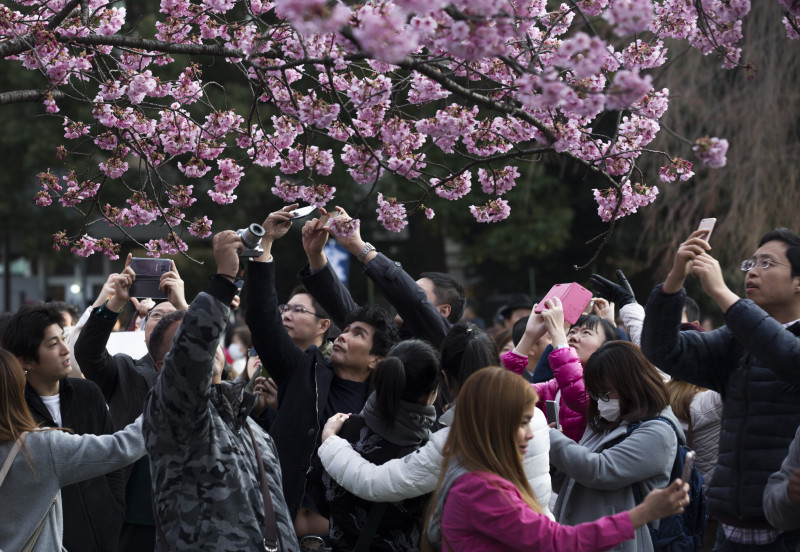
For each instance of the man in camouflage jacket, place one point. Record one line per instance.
(205, 473)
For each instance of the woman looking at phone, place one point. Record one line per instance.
(571, 350)
(484, 502)
(597, 476)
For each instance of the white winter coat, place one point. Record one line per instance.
(418, 473)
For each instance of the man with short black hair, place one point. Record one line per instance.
(93, 509)
(752, 361)
(305, 320)
(311, 388)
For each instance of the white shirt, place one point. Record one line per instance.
(53, 404)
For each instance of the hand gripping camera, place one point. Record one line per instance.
(251, 238)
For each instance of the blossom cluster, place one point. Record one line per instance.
(430, 92)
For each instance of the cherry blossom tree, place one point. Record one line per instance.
(435, 95)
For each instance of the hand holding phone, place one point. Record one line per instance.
(148, 277)
(302, 212)
(574, 298)
(707, 224)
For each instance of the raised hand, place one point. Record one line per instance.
(121, 284)
(278, 223)
(687, 251)
(227, 245)
(172, 284)
(619, 293)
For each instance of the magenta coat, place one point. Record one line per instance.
(568, 378)
(485, 512)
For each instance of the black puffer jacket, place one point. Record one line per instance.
(754, 363)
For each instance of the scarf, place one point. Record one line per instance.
(411, 426)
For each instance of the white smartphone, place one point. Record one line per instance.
(302, 212)
(688, 464)
(552, 413)
(707, 224)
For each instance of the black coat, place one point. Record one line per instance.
(94, 509)
(125, 382)
(303, 379)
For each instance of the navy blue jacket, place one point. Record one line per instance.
(754, 363)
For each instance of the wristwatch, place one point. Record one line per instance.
(364, 252)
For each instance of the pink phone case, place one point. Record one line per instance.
(574, 298)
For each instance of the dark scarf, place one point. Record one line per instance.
(232, 402)
(411, 426)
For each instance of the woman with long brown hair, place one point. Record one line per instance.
(483, 500)
(36, 463)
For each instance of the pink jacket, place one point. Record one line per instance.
(568, 378)
(486, 512)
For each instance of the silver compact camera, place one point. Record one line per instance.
(251, 238)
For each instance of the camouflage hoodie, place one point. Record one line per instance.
(205, 474)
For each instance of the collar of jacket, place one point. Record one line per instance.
(36, 404)
(232, 402)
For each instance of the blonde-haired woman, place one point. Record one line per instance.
(36, 463)
(484, 502)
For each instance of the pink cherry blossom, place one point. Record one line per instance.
(391, 214)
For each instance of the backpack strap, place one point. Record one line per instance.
(11, 455)
(370, 527)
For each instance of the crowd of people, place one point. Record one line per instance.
(322, 424)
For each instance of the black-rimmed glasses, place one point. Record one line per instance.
(604, 396)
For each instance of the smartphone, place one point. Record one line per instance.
(326, 219)
(148, 277)
(302, 212)
(688, 464)
(552, 413)
(707, 224)
(239, 285)
(574, 298)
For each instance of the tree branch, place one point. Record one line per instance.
(25, 42)
(21, 96)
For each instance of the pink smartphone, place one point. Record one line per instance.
(707, 224)
(574, 298)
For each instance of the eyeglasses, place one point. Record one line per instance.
(297, 309)
(604, 396)
(750, 264)
(251, 352)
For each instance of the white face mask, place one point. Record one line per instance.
(236, 350)
(609, 410)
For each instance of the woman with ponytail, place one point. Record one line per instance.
(395, 421)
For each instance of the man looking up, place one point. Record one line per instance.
(305, 320)
(93, 509)
(752, 361)
(316, 388)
